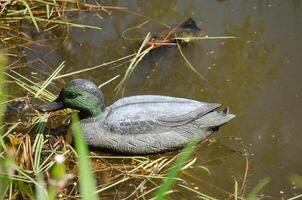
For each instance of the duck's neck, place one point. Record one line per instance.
(90, 113)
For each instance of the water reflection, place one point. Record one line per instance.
(244, 65)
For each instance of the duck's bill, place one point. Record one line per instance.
(50, 107)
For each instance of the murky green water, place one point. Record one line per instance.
(258, 75)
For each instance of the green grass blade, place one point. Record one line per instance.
(236, 191)
(2, 88)
(47, 11)
(174, 172)
(51, 77)
(75, 25)
(109, 81)
(41, 192)
(188, 39)
(4, 182)
(87, 180)
(39, 142)
(134, 62)
(253, 194)
(31, 86)
(31, 15)
(96, 67)
(2, 136)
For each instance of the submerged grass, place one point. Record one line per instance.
(253, 194)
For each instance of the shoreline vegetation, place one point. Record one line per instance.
(34, 164)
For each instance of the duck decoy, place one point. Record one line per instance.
(144, 124)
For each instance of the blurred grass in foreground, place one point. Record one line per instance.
(3, 61)
(3, 181)
(170, 179)
(87, 180)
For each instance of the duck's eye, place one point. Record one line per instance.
(73, 95)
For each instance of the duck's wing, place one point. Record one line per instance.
(153, 113)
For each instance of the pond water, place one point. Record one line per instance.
(257, 74)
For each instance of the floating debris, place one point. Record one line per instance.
(185, 29)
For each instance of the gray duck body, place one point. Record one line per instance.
(144, 124)
(151, 124)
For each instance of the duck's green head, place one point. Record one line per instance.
(81, 95)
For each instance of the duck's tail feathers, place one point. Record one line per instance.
(215, 119)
